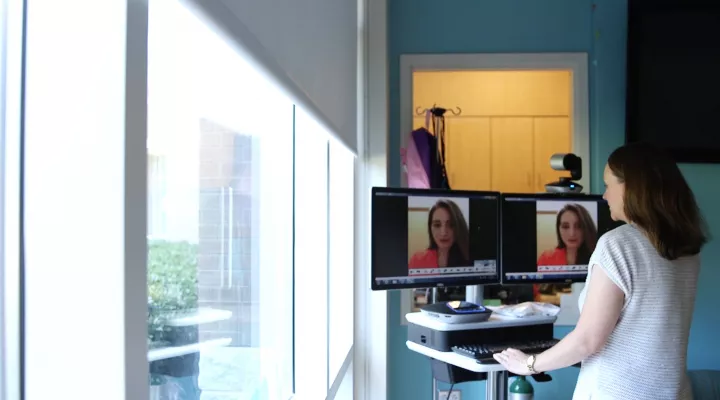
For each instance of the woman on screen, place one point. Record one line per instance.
(448, 239)
(576, 238)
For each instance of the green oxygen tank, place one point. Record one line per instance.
(521, 389)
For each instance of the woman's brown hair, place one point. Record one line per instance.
(658, 199)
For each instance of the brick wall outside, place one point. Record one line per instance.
(226, 167)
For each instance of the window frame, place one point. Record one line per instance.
(345, 162)
(275, 286)
(107, 113)
(311, 222)
(12, 24)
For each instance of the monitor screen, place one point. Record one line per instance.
(673, 59)
(548, 238)
(434, 238)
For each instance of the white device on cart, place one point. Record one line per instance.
(457, 312)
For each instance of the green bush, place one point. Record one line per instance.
(172, 282)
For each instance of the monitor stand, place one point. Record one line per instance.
(473, 294)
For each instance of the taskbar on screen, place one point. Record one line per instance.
(432, 280)
(539, 276)
(482, 267)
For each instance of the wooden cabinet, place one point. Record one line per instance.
(512, 122)
(512, 154)
(468, 153)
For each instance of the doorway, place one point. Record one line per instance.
(507, 114)
(511, 113)
(502, 127)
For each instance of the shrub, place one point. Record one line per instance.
(172, 283)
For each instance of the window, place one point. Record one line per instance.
(247, 288)
(220, 212)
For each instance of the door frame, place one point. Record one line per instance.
(577, 63)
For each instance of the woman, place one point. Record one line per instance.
(448, 239)
(638, 302)
(576, 238)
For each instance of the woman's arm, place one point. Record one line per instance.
(601, 310)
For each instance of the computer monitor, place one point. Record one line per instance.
(434, 238)
(548, 238)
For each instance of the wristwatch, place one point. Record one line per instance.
(531, 364)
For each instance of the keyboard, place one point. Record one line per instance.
(483, 353)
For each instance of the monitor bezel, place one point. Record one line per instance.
(432, 192)
(540, 196)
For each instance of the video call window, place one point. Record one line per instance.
(566, 234)
(550, 238)
(426, 238)
(438, 235)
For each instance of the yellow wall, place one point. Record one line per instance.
(511, 123)
(496, 93)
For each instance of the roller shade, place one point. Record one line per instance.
(309, 46)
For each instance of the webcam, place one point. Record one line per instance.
(566, 162)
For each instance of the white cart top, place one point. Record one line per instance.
(495, 321)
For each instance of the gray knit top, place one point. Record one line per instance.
(645, 355)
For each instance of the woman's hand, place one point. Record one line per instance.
(514, 361)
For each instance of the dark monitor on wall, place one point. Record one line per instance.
(673, 59)
(548, 238)
(434, 238)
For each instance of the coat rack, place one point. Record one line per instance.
(437, 115)
(437, 111)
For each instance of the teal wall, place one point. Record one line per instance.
(522, 26)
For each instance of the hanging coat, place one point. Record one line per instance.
(416, 173)
(422, 165)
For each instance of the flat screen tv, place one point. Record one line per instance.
(673, 77)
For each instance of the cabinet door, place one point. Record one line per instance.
(551, 135)
(468, 153)
(512, 154)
